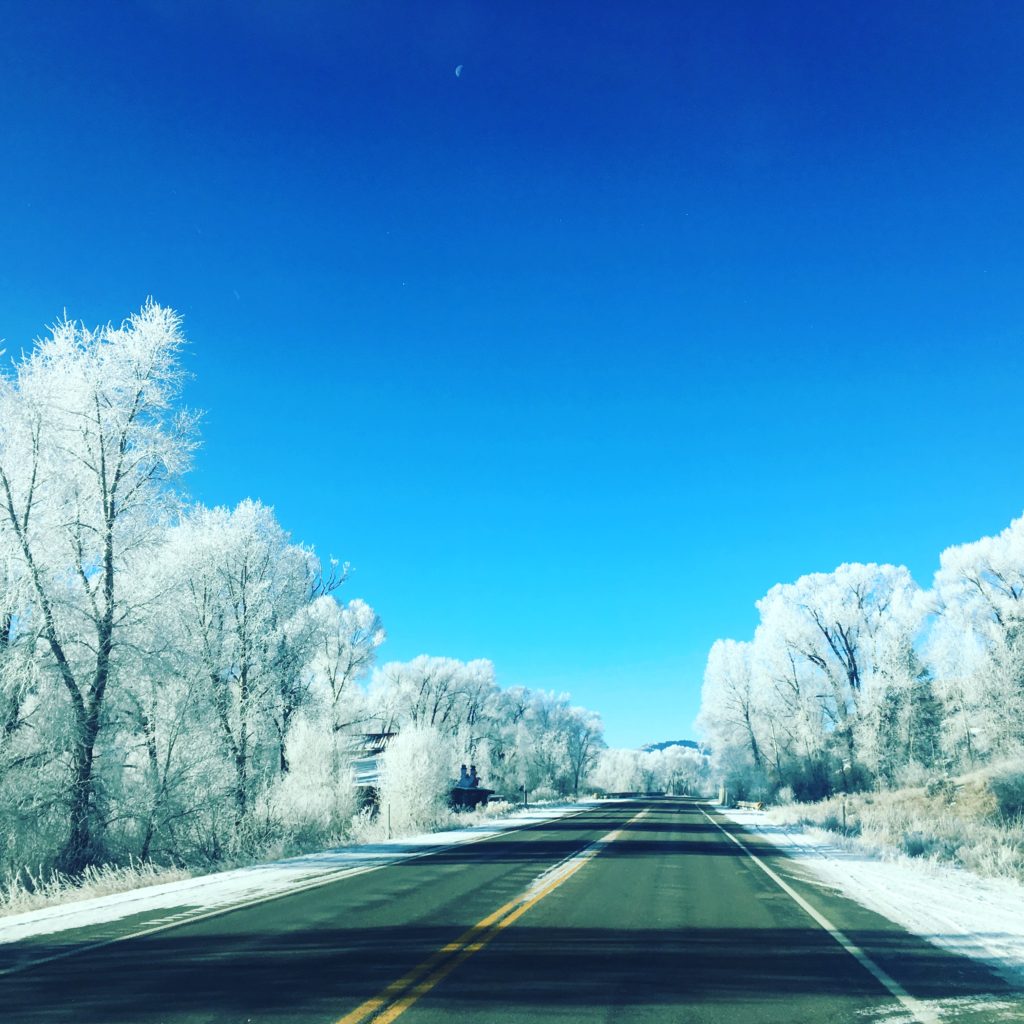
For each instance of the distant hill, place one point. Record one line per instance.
(692, 744)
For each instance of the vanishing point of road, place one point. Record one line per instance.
(654, 910)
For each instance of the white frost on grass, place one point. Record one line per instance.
(193, 897)
(950, 907)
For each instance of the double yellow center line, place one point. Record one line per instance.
(394, 1000)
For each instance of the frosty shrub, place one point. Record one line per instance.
(544, 794)
(416, 777)
(1007, 784)
(315, 802)
(918, 844)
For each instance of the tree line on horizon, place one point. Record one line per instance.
(859, 678)
(182, 684)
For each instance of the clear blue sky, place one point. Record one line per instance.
(573, 355)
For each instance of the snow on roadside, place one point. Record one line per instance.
(192, 897)
(950, 907)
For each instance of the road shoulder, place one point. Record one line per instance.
(106, 919)
(976, 920)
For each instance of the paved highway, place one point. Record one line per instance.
(647, 911)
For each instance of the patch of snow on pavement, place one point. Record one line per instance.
(994, 1008)
(950, 907)
(193, 897)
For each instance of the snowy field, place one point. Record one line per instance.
(976, 917)
(189, 899)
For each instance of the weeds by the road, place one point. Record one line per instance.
(367, 828)
(27, 890)
(975, 821)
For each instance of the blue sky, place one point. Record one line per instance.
(573, 355)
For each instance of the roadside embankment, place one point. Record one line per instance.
(191, 898)
(975, 821)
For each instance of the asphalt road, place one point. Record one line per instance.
(631, 912)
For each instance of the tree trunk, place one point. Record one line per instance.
(79, 850)
(242, 751)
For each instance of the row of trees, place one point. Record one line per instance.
(677, 770)
(860, 678)
(522, 742)
(183, 684)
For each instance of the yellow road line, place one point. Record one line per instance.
(393, 1001)
(397, 987)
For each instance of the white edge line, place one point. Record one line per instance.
(915, 1007)
(269, 898)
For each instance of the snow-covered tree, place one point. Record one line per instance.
(977, 642)
(831, 693)
(90, 439)
(842, 637)
(416, 777)
(683, 770)
(317, 799)
(731, 711)
(618, 771)
(243, 589)
(182, 683)
(444, 693)
(676, 770)
(584, 740)
(345, 639)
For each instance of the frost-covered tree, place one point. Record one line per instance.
(443, 693)
(977, 643)
(181, 683)
(316, 801)
(730, 708)
(345, 639)
(518, 739)
(418, 770)
(242, 595)
(584, 740)
(846, 632)
(90, 439)
(561, 742)
(683, 770)
(676, 770)
(618, 771)
(830, 694)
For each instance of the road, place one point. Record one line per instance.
(647, 911)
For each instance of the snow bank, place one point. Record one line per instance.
(948, 906)
(191, 898)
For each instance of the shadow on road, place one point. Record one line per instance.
(299, 959)
(325, 972)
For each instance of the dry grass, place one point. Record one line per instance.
(27, 891)
(371, 827)
(975, 821)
